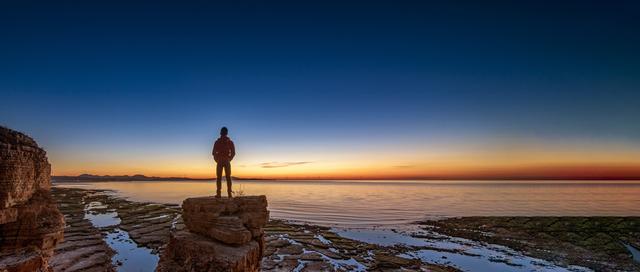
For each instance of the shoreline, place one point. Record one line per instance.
(143, 227)
(586, 241)
(147, 225)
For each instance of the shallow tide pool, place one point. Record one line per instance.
(129, 256)
(464, 254)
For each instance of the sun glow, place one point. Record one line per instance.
(496, 161)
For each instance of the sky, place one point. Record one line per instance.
(324, 89)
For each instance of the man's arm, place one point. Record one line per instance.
(233, 150)
(215, 147)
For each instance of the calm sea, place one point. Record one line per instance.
(366, 203)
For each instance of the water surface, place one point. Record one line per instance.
(366, 203)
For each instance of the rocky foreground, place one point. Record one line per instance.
(287, 247)
(30, 223)
(221, 234)
(84, 247)
(568, 242)
(598, 243)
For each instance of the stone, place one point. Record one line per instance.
(226, 229)
(8, 215)
(30, 223)
(229, 220)
(221, 234)
(40, 224)
(25, 261)
(317, 266)
(391, 261)
(292, 249)
(277, 243)
(24, 168)
(188, 251)
(311, 256)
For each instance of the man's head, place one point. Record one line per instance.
(224, 131)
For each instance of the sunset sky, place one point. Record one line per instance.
(322, 89)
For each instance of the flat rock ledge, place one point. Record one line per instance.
(222, 234)
(30, 223)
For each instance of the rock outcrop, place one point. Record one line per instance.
(223, 234)
(24, 168)
(30, 223)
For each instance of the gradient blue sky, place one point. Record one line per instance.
(143, 86)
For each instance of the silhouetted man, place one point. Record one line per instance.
(223, 152)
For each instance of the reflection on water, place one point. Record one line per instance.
(98, 217)
(634, 252)
(130, 257)
(100, 220)
(364, 203)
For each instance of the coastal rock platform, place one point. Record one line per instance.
(233, 221)
(187, 251)
(222, 234)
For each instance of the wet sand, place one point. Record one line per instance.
(106, 232)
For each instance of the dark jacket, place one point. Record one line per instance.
(223, 150)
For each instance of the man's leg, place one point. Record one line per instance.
(227, 171)
(218, 178)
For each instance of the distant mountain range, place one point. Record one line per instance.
(90, 177)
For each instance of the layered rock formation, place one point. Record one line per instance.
(30, 223)
(224, 234)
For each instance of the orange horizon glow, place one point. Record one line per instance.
(501, 160)
(569, 171)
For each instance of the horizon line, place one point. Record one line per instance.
(484, 178)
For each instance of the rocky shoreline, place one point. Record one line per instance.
(92, 214)
(598, 243)
(454, 244)
(95, 216)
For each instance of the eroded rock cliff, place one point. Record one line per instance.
(223, 234)
(30, 223)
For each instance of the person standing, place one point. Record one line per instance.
(223, 152)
